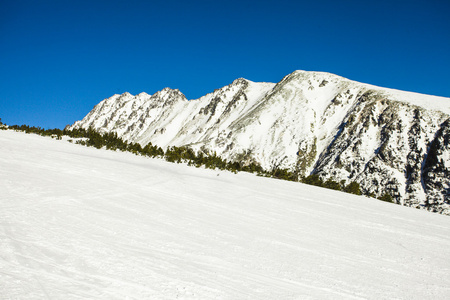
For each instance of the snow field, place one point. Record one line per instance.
(82, 223)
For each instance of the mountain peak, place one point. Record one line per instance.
(143, 94)
(170, 94)
(310, 122)
(240, 81)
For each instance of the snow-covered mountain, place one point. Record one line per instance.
(83, 223)
(310, 122)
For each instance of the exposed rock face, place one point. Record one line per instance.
(389, 141)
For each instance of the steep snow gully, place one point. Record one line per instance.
(83, 223)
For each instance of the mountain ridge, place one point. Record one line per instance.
(309, 122)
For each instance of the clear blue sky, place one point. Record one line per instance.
(60, 58)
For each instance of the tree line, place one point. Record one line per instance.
(203, 158)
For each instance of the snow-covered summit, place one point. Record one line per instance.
(387, 140)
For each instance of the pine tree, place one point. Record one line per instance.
(353, 188)
(386, 197)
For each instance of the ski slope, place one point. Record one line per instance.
(82, 223)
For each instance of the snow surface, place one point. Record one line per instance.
(82, 223)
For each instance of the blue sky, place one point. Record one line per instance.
(60, 58)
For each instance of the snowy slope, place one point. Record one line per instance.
(309, 122)
(82, 223)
